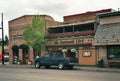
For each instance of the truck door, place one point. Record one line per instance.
(46, 60)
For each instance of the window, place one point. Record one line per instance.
(46, 55)
(58, 54)
(113, 52)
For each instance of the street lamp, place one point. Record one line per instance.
(2, 39)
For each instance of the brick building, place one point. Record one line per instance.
(75, 35)
(17, 47)
(77, 32)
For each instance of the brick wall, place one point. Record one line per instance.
(50, 23)
(16, 29)
(87, 60)
(79, 18)
(84, 16)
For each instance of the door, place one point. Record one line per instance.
(25, 56)
(46, 60)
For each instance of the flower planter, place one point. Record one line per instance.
(19, 63)
(29, 62)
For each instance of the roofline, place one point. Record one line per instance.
(108, 14)
(71, 24)
(25, 16)
(90, 12)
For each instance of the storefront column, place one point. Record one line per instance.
(103, 54)
(31, 54)
(20, 55)
(11, 56)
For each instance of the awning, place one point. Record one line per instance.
(73, 24)
(23, 46)
(15, 47)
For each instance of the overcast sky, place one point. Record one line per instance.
(55, 8)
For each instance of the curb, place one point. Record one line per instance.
(98, 69)
(87, 68)
(15, 66)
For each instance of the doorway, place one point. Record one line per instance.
(25, 56)
(15, 56)
(25, 53)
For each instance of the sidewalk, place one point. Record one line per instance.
(88, 68)
(7, 65)
(84, 68)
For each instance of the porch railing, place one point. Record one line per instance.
(77, 33)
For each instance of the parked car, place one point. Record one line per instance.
(55, 59)
(6, 58)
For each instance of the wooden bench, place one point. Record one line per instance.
(114, 64)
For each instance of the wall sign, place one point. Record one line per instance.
(86, 53)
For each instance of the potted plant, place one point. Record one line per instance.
(64, 52)
(19, 61)
(29, 62)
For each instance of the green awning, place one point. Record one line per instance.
(15, 47)
(23, 46)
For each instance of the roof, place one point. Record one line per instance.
(72, 24)
(108, 34)
(90, 12)
(108, 14)
(30, 15)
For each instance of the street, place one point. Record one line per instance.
(53, 74)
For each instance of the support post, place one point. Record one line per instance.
(2, 39)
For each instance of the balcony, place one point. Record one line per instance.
(77, 33)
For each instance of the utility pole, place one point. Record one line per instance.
(2, 39)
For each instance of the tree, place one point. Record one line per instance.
(0, 41)
(6, 41)
(34, 33)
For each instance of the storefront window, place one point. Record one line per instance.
(113, 52)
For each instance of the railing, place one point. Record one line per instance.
(77, 33)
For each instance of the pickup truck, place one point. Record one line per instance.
(55, 59)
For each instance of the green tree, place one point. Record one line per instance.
(6, 41)
(34, 33)
(0, 41)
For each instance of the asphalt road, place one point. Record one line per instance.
(53, 74)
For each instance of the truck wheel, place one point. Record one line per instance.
(37, 65)
(61, 66)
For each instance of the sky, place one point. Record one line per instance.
(12, 9)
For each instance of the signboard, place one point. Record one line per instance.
(87, 54)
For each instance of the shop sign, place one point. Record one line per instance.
(86, 54)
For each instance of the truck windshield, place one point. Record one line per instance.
(46, 55)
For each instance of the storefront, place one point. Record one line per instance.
(107, 38)
(20, 56)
